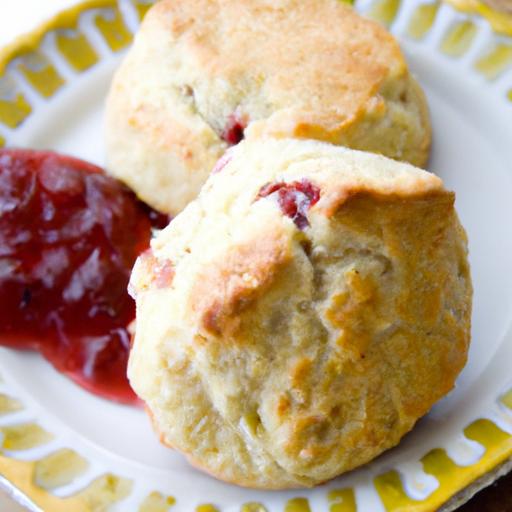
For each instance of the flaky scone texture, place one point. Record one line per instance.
(298, 317)
(200, 71)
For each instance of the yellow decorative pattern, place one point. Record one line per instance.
(113, 29)
(297, 505)
(40, 73)
(58, 469)
(422, 19)
(104, 492)
(66, 19)
(24, 437)
(76, 49)
(384, 11)
(451, 478)
(253, 507)
(495, 62)
(489, 435)
(142, 7)
(157, 502)
(98, 497)
(506, 399)
(342, 500)
(14, 112)
(391, 492)
(21, 473)
(8, 404)
(458, 39)
(207, 508)
(500, 21)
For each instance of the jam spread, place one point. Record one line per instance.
(294, 199)
(69, 236)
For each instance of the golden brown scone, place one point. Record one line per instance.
(202, 70)
(301, 314)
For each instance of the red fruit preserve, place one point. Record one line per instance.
(69, 236)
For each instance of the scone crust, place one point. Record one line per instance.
(276, 356)
(287, 68)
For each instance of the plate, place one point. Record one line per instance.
(66, 450)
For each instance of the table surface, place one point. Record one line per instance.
(22, 15)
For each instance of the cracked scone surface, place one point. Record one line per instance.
(301, 314)
(200, 72)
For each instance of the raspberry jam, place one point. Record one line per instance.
(294, 199)
(69, 236)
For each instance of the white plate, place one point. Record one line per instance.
(472, 152)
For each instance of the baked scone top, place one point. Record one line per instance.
(312, 64)
(297, 318)
(201, 71)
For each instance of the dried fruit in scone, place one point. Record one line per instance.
(204, 74)
(298, 317)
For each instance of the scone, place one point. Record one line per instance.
(298, 317)
(204, 73)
